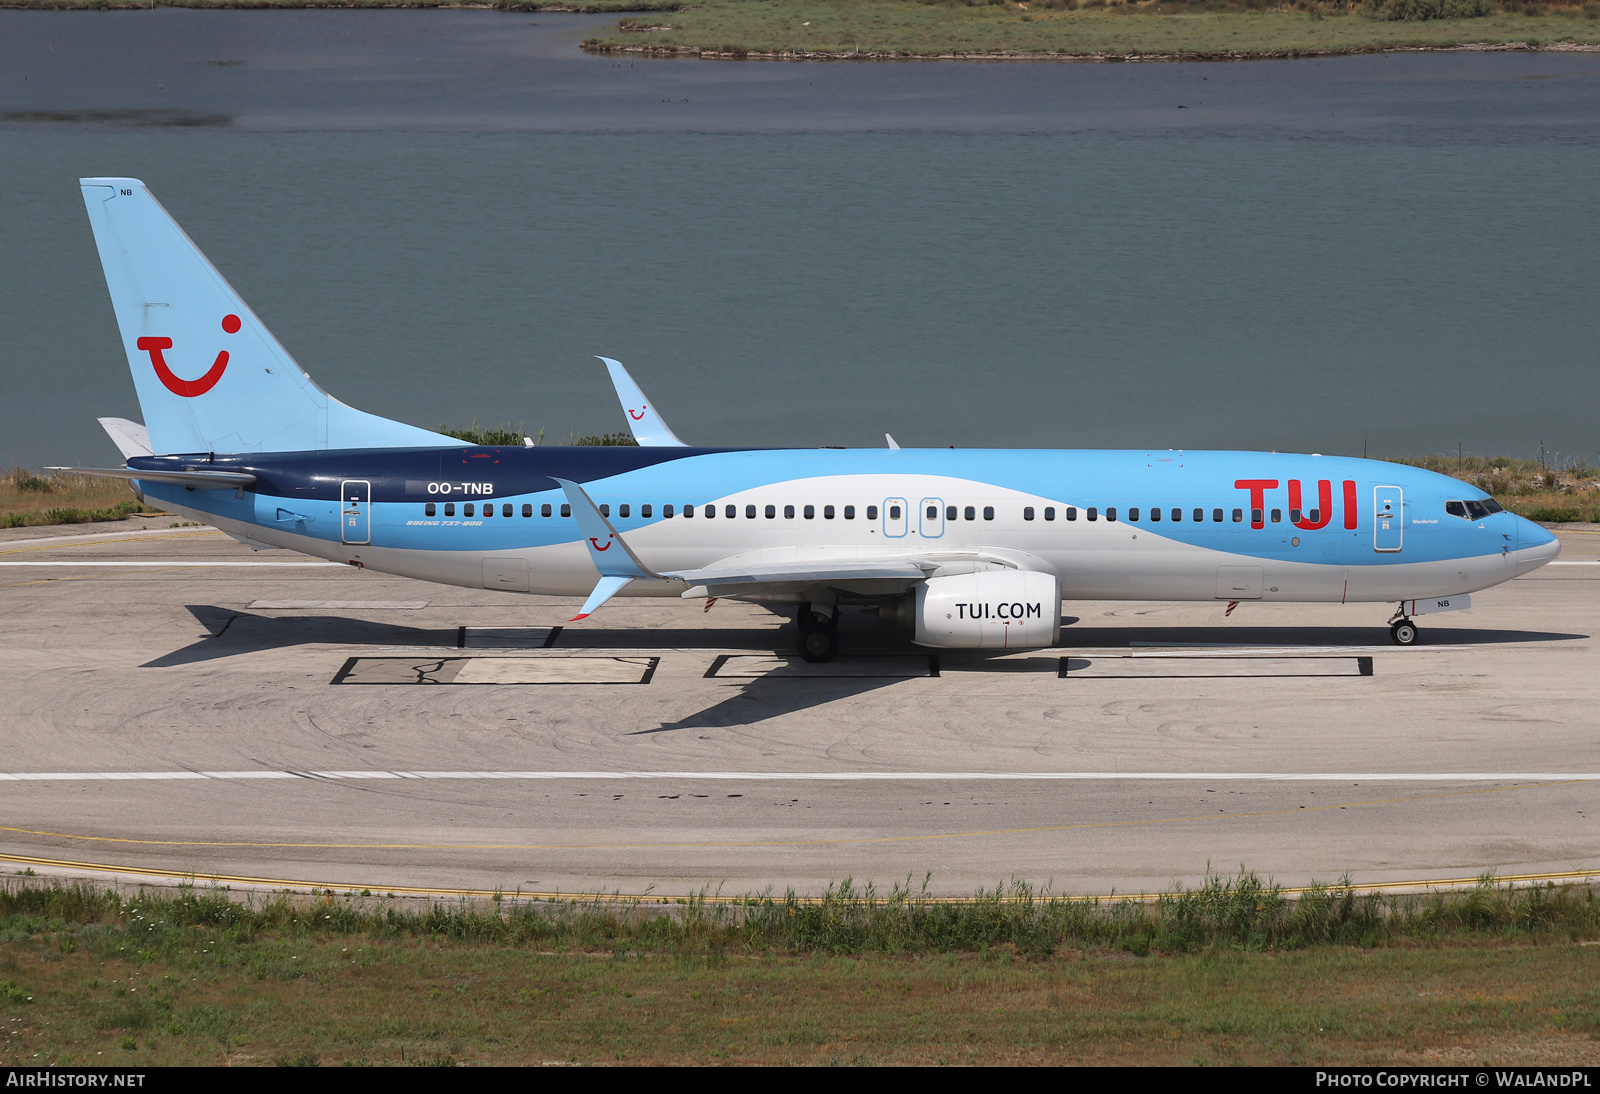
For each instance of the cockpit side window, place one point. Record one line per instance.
(1456, 509)
(1493, 506)
(1476, 510)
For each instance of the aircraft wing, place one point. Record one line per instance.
(644, 421)
(825, 571)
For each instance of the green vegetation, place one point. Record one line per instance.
(1035, 28)
(507, 434)
(1232, 972)
(1553, 491)
(31, 498)
(1094, 28)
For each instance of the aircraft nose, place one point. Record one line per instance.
(1535, 546)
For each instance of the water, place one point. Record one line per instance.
(445, 214)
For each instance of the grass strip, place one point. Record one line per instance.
(1230, 972)
(30, 498)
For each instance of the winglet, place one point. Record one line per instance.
(602, 538)
(893, 444)
(606, 588)
(644, 421)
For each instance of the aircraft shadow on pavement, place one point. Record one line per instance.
(233, 632)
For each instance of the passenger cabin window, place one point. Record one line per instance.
(1216, 516)
(544, 510)
(666, 510)
(732, 511)
(749, 512)
(950, 512)
(622, 510)
(1049, 512)
(1027, 512)
(1155, 513)
(1071, 512)
(971, 513)
(449, 508)
(988, 512)
(1111, 512)
(788, 512)
(1177, 514)
(772, 512)
(488, 508)
(810, 512)
(688, 511)
(1315, 516)
(566, 509)
(1238, 515)
(1277, 516)
(894, 512)
(711, 512)
(1294, 516)
(466, 510)
(527, 509)
(1200, 515)
(1093, 513)
(827, 512)
(933, 512)
(1133, 513)
(872, 512)
(429, 510)
(605, 509)
(1255, 516)
(849, 512)
(645, 511)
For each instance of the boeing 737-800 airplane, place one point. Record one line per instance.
(972, 549)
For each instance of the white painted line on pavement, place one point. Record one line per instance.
(828, 776)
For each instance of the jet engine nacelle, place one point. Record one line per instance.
(993, 609)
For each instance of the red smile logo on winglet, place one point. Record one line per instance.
(597, 546)
(188, 389)
(639, 417)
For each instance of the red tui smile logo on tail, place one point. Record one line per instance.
(188, 388)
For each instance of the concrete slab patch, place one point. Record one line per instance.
(497, 670)
(1152, 668)
(742, 666)
(506, 638)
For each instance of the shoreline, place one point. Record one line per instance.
(604, 47)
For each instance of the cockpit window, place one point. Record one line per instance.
(1456, 509)
(1493, 506)
(1476, 510)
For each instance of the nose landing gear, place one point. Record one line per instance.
(1402, 632)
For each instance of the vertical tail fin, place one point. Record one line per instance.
(209, 375)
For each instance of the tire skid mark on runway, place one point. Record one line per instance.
(617, 897)
(840, 841)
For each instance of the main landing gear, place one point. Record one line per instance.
(819, 634)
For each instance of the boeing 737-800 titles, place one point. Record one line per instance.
(971, 549)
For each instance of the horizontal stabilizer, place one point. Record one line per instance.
(200, 480)
(644, 421)
(131, 438)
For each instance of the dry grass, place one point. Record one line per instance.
(1553, 491)
(51, 497)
